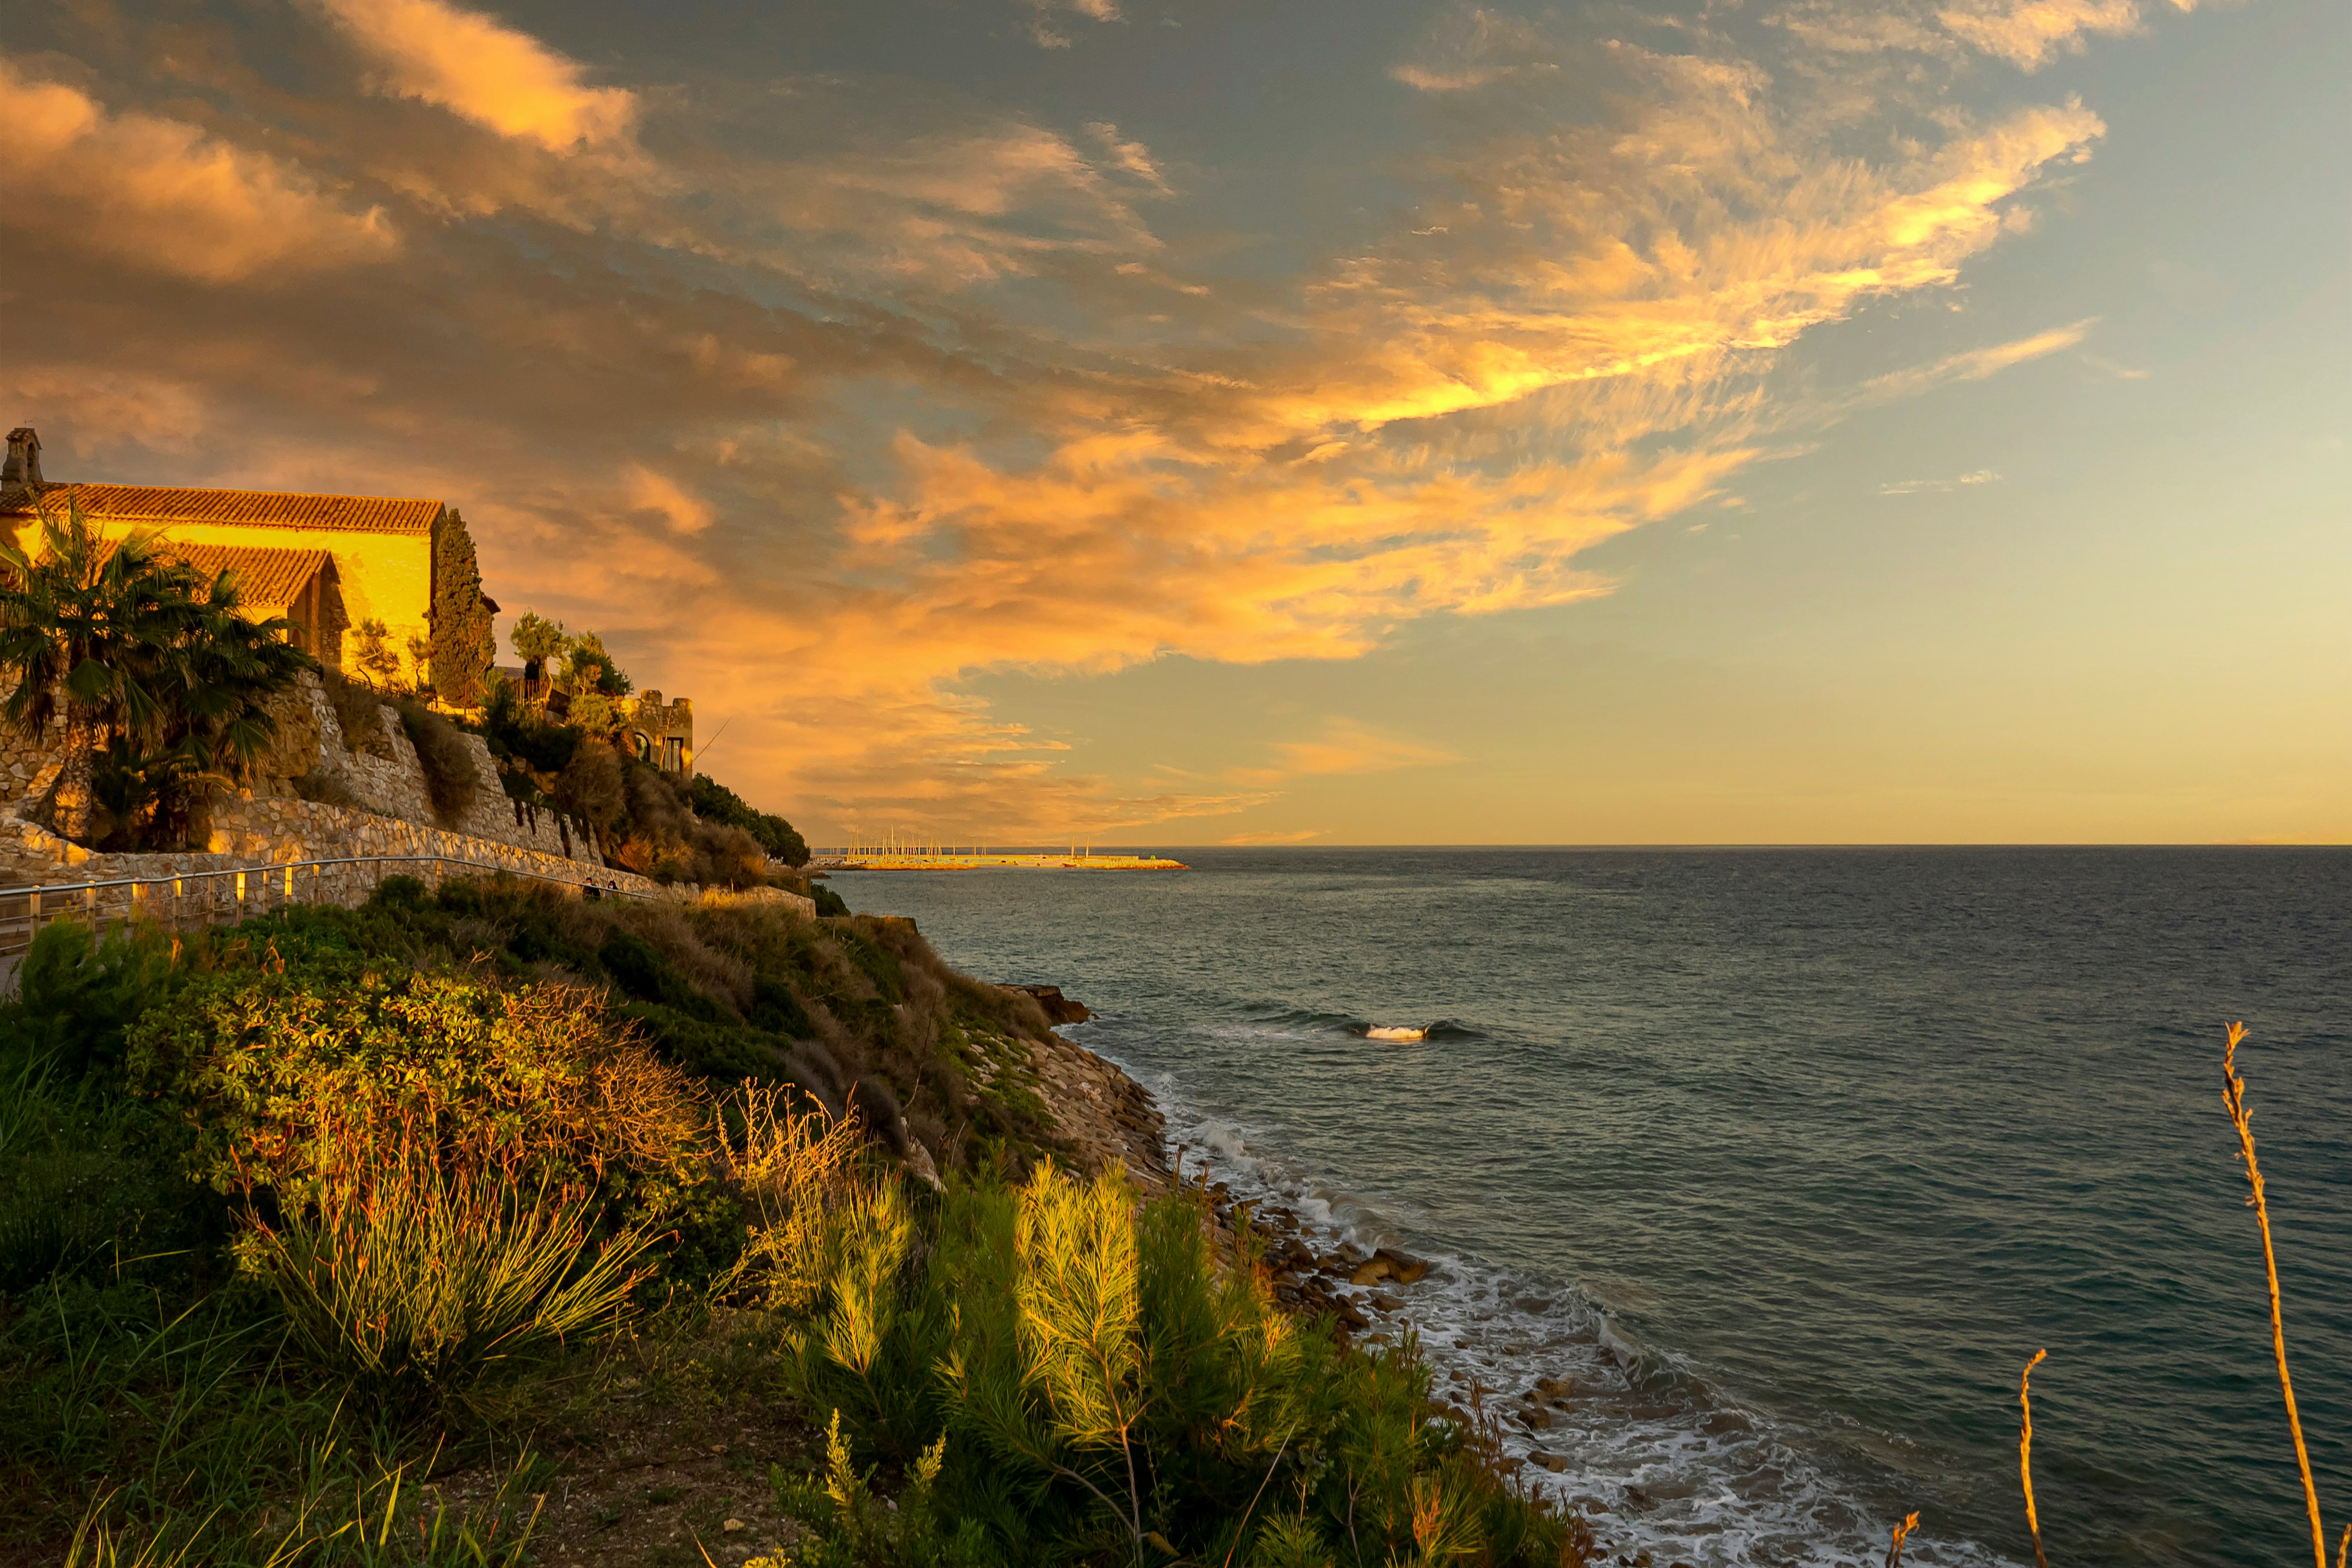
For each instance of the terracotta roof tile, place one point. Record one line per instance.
(166, 504)
(268, 580)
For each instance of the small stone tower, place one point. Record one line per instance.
(24, 464)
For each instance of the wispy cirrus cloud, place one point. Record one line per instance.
(1940, 487)
(2029, 34)
(1975, 364)
(1339, 747)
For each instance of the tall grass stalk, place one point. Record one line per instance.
(2025, 1453)
(1078, 1294)
(2233, 1098)
(1902, 1533)
(793, 1169)
(422, 1272)
(349, 1519)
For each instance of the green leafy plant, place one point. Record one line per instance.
(714, 801)
(300, 1075)
(76, 995)
(856, 1527)
(536, 640)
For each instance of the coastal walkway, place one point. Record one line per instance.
(189, 899)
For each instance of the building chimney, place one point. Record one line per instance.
(24, 465)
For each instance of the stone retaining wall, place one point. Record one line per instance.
(382, 774)
(263, 830)
(262, 837)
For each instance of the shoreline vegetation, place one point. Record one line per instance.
(480, 1226)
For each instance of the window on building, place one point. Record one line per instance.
(673, 754)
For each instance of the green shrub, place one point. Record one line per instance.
(714, 801)
(294, 1076)
(848, 1009)
(359, 708)
(446, 760)
(1086, 1382)
(76, 994)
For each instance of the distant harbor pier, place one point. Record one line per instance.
(939, 858)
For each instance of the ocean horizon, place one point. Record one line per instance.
(1785, 1159)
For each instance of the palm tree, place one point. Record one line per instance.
(96, 627)
(165, 684)
(215, 693)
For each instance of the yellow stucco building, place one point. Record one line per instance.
(331, 563)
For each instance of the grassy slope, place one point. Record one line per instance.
(133, 1360)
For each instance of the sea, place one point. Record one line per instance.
(1786, 1159)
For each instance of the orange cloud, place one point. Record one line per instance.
(1048, 36)
(996, 423)
(684, 511)
(483, 70)
(2029, 34)
(99, 408)
(164, 195)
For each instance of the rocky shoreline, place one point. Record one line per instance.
(1104, 1115)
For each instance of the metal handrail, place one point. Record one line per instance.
(83, 898)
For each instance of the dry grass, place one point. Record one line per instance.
(415, 1272)
(1902, 1533)
(2234, 1099)
(793, 1168)
(2025, 1453)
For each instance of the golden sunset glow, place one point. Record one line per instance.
(908, 403)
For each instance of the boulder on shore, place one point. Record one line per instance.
(1059, 1009)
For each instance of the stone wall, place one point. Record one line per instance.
(263, 837)
(25, 763)
(381, 774)
(269, 826)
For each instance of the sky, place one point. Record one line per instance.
(1199, 422)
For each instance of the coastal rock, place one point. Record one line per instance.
(1101, 1114)
(1058, 1008)
(1384, 1264)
